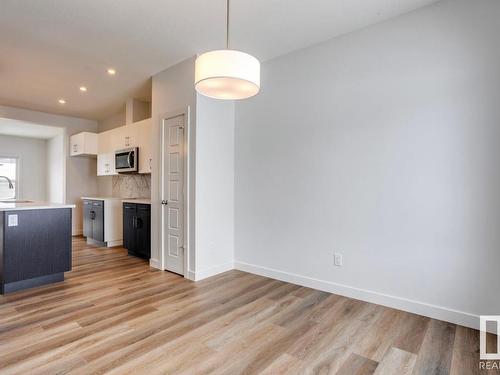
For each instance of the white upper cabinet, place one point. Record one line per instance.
(83, 144)
(106, 164)
(145, 138)
(104, 142)
(125, 137)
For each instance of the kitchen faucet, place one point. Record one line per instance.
(11, 185)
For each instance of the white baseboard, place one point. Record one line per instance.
(415, 307)
(114, 243)
(212, 271)
(191, 275)
(77, 232)
(155, 264)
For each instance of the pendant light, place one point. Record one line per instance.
(227, 74)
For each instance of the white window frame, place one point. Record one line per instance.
(17, 189)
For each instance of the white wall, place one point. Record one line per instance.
(172, 91)
(55, 169)
(32, 155)
(214, 186)
(381, 145)
(210, 175)
(136, 110)
(111, 122)
(81, 174)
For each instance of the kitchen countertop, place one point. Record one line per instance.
(32, 205)
(128, 200)
(101, 198)
(137, 200)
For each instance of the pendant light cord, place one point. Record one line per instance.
(227, 24)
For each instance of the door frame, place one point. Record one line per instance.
(186, 188)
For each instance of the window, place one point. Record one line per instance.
(8, 168)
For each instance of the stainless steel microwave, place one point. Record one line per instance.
(126, 161)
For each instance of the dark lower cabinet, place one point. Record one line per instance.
(98, 221)
(87, 218)
(137, 229)
(93, 219)
(129, 213)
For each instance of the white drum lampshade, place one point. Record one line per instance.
(227, 74)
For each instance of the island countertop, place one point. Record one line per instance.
(31, 205)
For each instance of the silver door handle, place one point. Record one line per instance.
(164, 202)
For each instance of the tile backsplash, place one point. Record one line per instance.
(132, 186)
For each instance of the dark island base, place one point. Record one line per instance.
(32, 283)
(35, 249)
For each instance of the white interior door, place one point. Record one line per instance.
(173, 194)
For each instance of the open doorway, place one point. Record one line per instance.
(32, 160)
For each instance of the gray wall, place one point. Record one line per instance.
(214, 186)
(32, 154)
(381, 145)
(111, 122)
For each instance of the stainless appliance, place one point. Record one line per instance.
(127, 160)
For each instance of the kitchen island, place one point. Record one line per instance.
(35, 244)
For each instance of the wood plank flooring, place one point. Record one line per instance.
(115, 315)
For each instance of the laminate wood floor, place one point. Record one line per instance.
(115, 315)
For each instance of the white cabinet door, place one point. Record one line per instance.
(125, 137)
(105, 142)
(106, 164)
(101, 162)
(145, 139)
(131, 136)
(114, 137)
(76, 144)
(83, 144)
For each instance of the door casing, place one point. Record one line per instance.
(187, 243)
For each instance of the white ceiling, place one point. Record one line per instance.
(27, 129)
(48, 48)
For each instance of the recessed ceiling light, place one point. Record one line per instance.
(111, 71)
(83, 89)
(62, 101)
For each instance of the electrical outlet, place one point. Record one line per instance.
(338, 259)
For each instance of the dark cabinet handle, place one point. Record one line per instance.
(134, 222)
